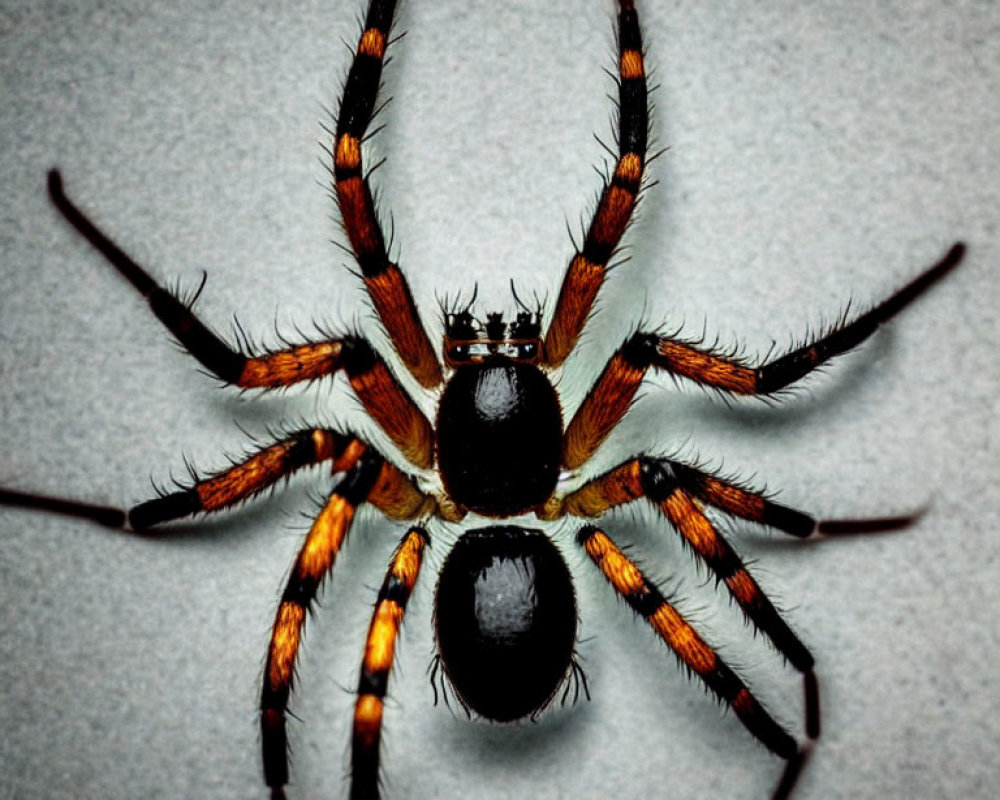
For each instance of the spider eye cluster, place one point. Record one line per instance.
(469, 341)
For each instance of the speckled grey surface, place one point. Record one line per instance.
(816, 154)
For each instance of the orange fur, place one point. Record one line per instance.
(682, 359)
(394, 304)
(600, 412)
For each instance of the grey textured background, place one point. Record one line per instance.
(818, 153)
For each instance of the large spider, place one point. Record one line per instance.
(505, 612)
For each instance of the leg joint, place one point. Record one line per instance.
(657, 478)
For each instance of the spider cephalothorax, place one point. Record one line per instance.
(499, 420)
(508, 410)
(505, 611)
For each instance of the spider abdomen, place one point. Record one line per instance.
(505, 620)
(499, 430)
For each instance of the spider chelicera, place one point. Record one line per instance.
(504, 611)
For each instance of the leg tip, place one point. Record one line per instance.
(811, 691)
(790, 776)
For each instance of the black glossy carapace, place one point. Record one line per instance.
(499, 430)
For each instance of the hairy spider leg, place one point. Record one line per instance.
(741, 378)
(372, 380)
(249, 477)
(754, 506)
(394, 494)
(386, 285)
(387, 618)
(615, 389)
(314, 561)
(673, 489)
(678, 634)
(589, 266)
(621, 485)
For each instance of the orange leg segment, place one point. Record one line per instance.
(314, 561)
(689, 647)
(589, 266)
(388, 289)
(604, 406)
(377, 662)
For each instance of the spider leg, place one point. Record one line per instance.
(754, 506)
(213, 353)
(740, 378)
(386, 285)
(314, 561)
(377, 662)
(699, 657)
(604, 405)
(615, 389)
(372, 380)
(621, 484)
(108, 516)
(394, 494)
(587, 269)
(666, 488)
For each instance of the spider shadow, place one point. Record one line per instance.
(507, 746)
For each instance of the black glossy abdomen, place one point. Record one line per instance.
(505, 621)
(499, 437)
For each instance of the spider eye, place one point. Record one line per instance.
(461, 326)
(525, 327)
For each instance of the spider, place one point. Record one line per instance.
(505, 613)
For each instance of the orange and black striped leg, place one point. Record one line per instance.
(587, 269)
(388, 289)
(754, 506)
(249, 477)
(614, 391)
(687, 517)
(378, 658)
(605, 404)
(692, 651)
(314, 561)
(370, 377)
(374, 383)
(394, 493)
(660, 484)
(241, 481)
(739, 377)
